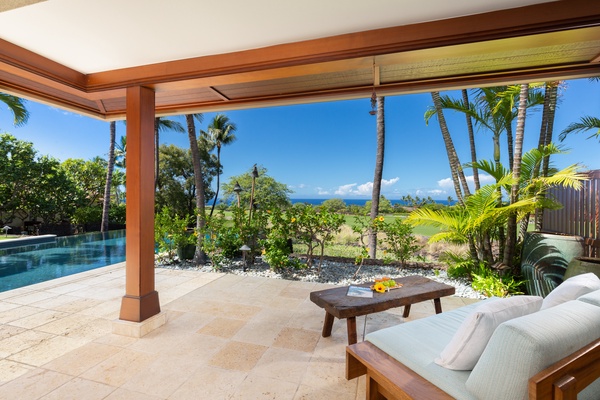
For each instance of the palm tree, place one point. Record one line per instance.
(121, 153)
(511, 227)
(162, 124)
(199, 256)
(220, 132)
(585, 123)
(378, 174)
(467, 106)
(17, 106)
(456, 170)
(109, 173)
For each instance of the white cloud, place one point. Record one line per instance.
(436, 192)
(321, 191)
(363, 189)
(484, 179)
(345, 189)
(389, 182)
(445, 183)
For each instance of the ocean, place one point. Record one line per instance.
(358, 202)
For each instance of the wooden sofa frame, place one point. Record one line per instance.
(389, 379)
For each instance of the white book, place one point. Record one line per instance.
(357, 291)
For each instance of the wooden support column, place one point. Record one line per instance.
(141, 299)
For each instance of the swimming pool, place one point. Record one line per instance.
(26, 265)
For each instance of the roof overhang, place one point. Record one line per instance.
(539, 42)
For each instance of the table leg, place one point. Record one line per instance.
(406, 311)
(352, 336)
(438, 305)
(327, 324)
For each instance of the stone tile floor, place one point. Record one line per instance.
(226, 337)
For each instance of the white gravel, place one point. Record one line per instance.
(333, 273)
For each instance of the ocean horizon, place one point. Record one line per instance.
(358, 202)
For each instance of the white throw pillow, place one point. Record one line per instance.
(571, 289)
(469, 341)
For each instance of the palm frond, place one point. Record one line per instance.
(586, 123)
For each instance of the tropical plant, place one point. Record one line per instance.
(399, 240)
(162, 124)
(17, 106)
(220, 132)
(109, 174)
(314, 228)
(199, 256)
(586, 123)
(268, 193)
(171, 232)
(481, 214)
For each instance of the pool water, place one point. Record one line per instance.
(26, 265)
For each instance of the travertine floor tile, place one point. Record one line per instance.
(33, 385)
(306, 392)
(80, 360)
(238, 356)
(17, 312)
(46, 351)
(124, 394)
(283, 364)
(209, 383)
(41, 318)
(163, 376)
(222, 327)
(297, 339)
(259, 388)
(118, 369)
(80, 389)
(10, 370)
(22, 341)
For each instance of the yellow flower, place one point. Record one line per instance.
(293, 219)
(264, 251)
(379, 287)
(381, 219)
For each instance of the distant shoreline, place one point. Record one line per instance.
(358, 202)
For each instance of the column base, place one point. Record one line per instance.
(139, 308)
(138, 329)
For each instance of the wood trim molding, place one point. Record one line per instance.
(528, 20)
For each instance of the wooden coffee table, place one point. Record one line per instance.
(414, 290)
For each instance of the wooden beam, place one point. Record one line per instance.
(141, 299)
(516, 22)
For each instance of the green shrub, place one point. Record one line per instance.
(489, 283)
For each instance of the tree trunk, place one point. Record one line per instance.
(450, 151)
(212, 209)
(552, 87)
(109, 173)
(511, 230)
(199, 256)
(156, 153)
(467, 105)
(378, 174)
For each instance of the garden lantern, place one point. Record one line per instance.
(245, 249)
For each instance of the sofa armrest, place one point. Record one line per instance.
(569, 376)
(386, 376)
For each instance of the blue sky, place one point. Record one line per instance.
(326, 150)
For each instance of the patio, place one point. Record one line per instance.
(226, 337)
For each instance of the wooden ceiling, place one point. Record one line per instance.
(550, 41)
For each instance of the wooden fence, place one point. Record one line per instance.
(580, 214)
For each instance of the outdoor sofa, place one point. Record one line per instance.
(479, 351)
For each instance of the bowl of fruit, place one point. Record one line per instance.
(385, 284)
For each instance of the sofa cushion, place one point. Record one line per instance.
(472, 336)
(591, 298)
(571, 289)
(417, 343)
(522, 347)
